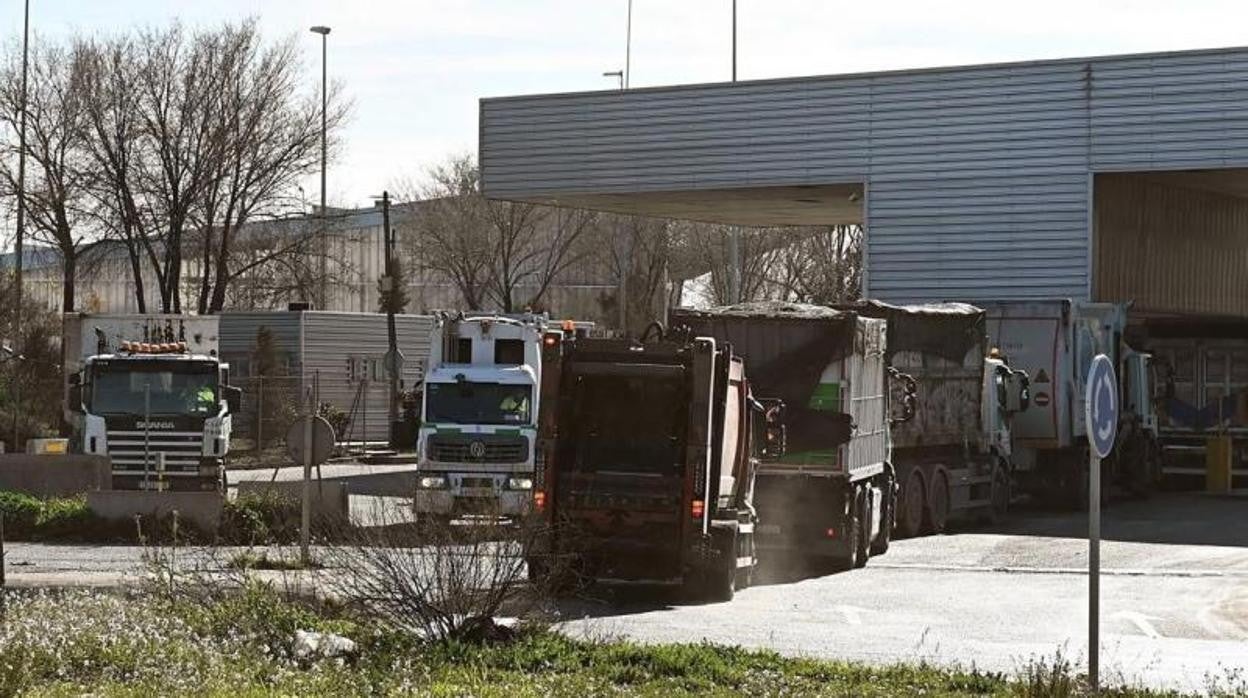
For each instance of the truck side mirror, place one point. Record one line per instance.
(75, 398)
(777, 437)
(775, 433)
(1018, 397)
(234, 399)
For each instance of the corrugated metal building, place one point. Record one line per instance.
(1111, 178)
(342, 352)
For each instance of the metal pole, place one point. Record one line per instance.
(147, 434)
(1094, 571)
(734, 40)
(305, 514)
(734, 266)
(324, 149)
(628, 46)
(19, 253)
(393, 369)
(324, 251)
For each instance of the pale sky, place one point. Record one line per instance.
(415, 69)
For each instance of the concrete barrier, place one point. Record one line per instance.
(54, 476)
(203, 509)
(330, 500)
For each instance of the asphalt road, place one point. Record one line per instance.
(1174, 596)
(1174, 599)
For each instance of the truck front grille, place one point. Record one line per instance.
(182, 449)
(478, 448)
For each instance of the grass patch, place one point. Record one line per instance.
(241, 643)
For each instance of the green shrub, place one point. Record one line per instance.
(21, 514)
(260, 518)
(68, 517)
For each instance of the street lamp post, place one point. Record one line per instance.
(615, 74)
(18, 251)
(324, 251)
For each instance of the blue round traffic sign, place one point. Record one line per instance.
(1100, 405)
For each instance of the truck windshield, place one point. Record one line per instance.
(628, 423)
(477, 403)
(133, 387)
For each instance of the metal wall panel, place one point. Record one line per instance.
(977, 176)
(238, 337)
(1170, 248)
(332, 341)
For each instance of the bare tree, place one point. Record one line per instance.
(823, 266)
(270, 139)
(499, 252)
(447, 235)
(190, 136)
(639, 255)
(113, 144)
(56, 191)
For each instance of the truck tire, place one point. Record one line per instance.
(851, 529)
(714, 580)
(937, 503)
(879, 546)
(913, 502)
(745, 575)
(863, 514)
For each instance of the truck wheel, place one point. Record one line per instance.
(716, 580)
(864, 516)
(879, 546)
(851, 530)
(745, 575)
(1000, 498)
(937, 503)
(913, 502)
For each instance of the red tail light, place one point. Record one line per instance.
(539, 500)
(697, 508)
(831, 533)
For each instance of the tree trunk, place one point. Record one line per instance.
(136, 271)
(69, 268)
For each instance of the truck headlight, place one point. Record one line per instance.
(431, 482)
(519, 483)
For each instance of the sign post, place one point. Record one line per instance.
(1100, 405)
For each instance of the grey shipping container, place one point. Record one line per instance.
(340, 355)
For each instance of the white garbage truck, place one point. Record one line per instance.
(478, 432)
(150, 392)
(1054, 341)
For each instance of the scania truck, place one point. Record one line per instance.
(151, 393)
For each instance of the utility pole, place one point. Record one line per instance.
(734, 40)
(628, 46)
(18, 245)
(324, 246)
(394, 359)
(734, 236)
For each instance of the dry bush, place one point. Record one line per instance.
(439, 579)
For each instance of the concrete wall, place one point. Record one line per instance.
(54, 476)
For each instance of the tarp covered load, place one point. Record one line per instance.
(947, 330)
(786, 347)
